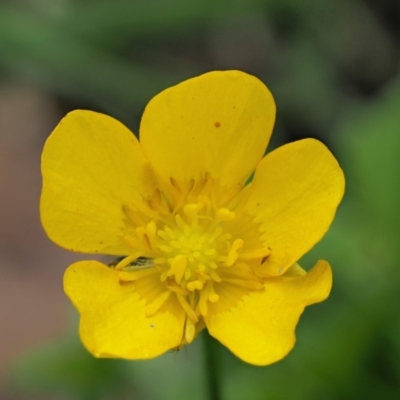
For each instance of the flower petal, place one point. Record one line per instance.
(294, 195)
(113, 316)
(261, 329)
(217, 124)
(92, 166)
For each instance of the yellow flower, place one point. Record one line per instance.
(200, 248)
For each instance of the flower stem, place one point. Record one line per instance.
(211, 367)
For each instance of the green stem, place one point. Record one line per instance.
(211, 367)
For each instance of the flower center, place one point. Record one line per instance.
(199, 245)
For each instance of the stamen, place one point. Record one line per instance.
(215, 235)
(177, 289)
(223, 214)
(135, 217)
(133, 242)
(175, 244)
(144, 209)
(178, 267)
(197, 188)
(164, 276)
(214, 276)
(213, 297)
(131, 276)
(231, 194)
(189, 311)
(147, 240)
(174, 183)
(188, 274)
(151, 229)
(179, 221)
(166, 249)
(190, 330)
(183, 193)
(140, 232)
(195, 285)
(126, 261)
(160, 261)
(233, 253)
(213, 265)
(202, 307)
(192, 210)
(201, 268)
(155, 201)
(197, 236)
(157, 304)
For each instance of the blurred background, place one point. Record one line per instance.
(333, 68)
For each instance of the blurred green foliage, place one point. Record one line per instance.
(332, 67)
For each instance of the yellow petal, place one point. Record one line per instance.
(92, 166)
(113, 321)
(217, 124)
(261, 329)
(294, 195)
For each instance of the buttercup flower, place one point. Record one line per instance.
(197, 246)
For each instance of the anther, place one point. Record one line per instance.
(195, 285)
(190, 331)
(174, 183)
(178, 267)
(223, 214)
(166, 249)
(233, 253)
(259, 253)
(126, 261)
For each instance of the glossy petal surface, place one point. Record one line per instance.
(92, 166)
(294, 196)
(216, 125)
(113, 317)
(261, 329)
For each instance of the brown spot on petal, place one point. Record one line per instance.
(264, 259)
(217, 124)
